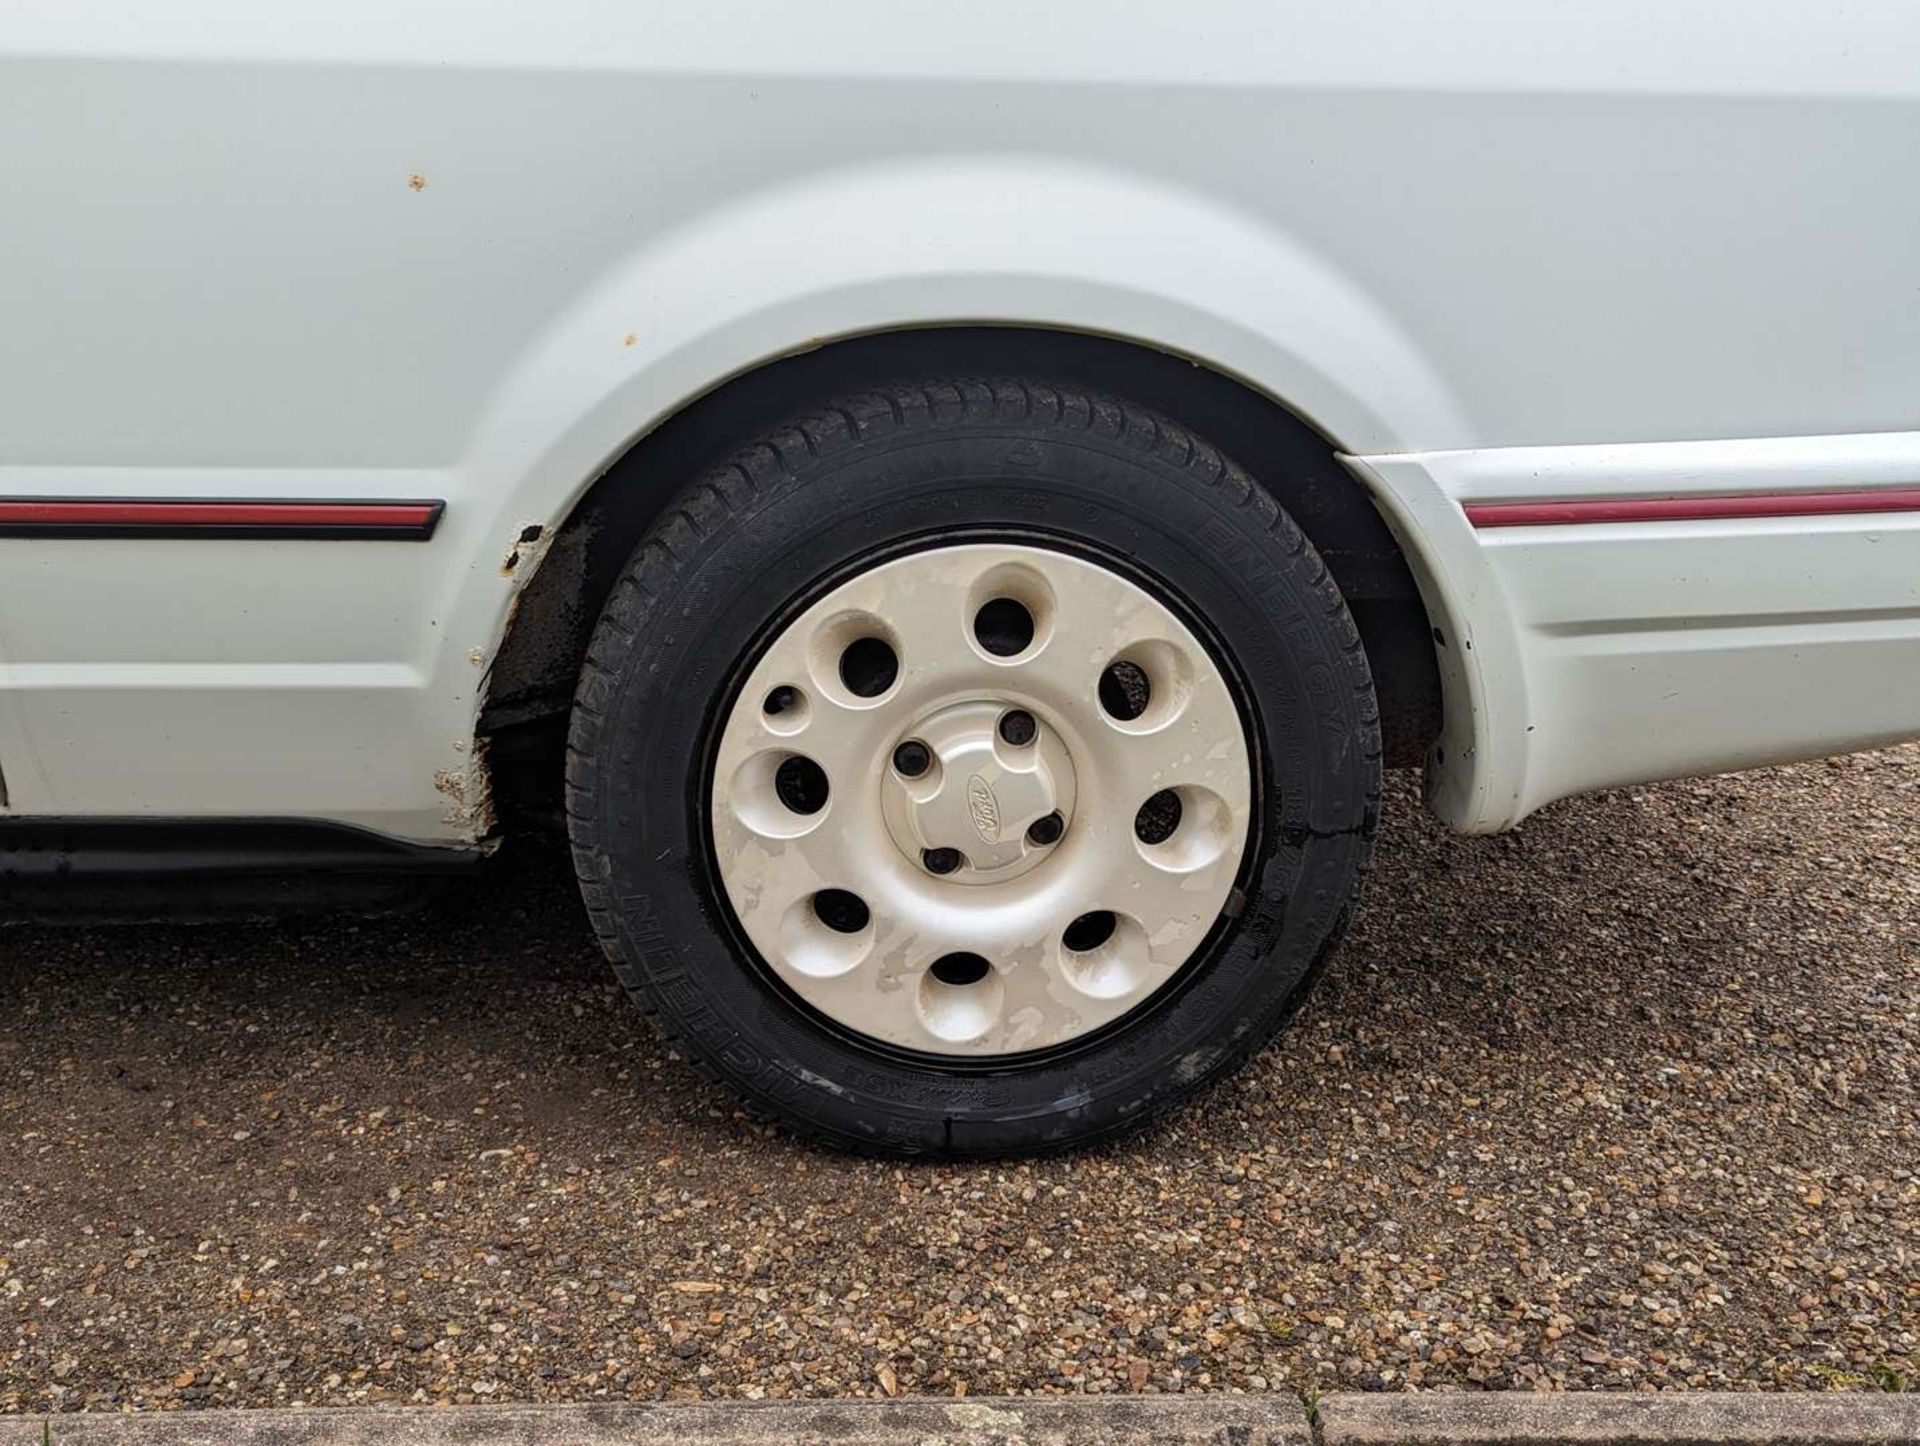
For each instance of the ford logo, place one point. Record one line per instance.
(984, 808)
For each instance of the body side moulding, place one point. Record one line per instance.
(310, 519)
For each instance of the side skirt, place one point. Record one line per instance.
(184, 870)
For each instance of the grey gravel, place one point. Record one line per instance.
(1624, 1100)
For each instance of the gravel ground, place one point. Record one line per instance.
(1628, 1099)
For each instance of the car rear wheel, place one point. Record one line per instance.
(973, 768)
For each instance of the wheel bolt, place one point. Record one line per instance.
(912, 758)
(1044, 831)
(1018, 727)
(941, 861)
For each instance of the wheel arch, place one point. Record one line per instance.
(573, 566)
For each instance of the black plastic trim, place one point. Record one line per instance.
(119, 848)
(64, 868)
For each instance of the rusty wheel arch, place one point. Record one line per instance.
(530, 685)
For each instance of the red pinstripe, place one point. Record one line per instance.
(1700, 508)
(129, 513)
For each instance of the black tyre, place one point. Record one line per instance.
(973, 768)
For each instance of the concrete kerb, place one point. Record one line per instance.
(1006, 1421)
(1436, 1419)
(1593, 1418)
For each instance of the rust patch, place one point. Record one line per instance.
(528, 546)
(469, 793)
(452, 783)
(417, 182)
(629, 340)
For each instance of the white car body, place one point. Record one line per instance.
(1552, 252)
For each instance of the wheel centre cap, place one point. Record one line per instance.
(979, 793)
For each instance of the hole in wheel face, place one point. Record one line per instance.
(1009, 615)
(868, 667)
(1158, 817)
(942, 861)
(840, 911)
(1018, 728)
(784, 710)
(812, 948)
(960, 1013)
(1004, 627)
(1148, 684)
(957, 971)
(800, 784)
(757, 793)
(1199, 828)
(1090, 931)
(1125, 690)
(1045, 832)
(1120, 966)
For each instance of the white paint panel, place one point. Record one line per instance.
(1739, 46)
(422, 249)
(1678, 469)
(236, 677)
(1685, 648)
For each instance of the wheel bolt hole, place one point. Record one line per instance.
(840, 911)
(783, 699)
(868, 667)
(942, 861)
(1004, 627)
(912, 758)
(1090, 931)
(1018, 727)
(801, 784)
(1125, 690)
(1158, 817)
(960, 970)
(1045, 831)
